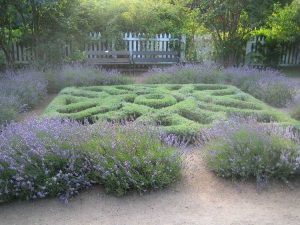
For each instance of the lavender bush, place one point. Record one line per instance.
(243, 149)
(9, 108)
(28, 86)
(20, 91)
(50, 157)
(207, 74)
(78, 75)
(268, 85)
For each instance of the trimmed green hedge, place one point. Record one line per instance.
(179, 109)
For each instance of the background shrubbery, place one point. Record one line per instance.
(267, 85)
(245, 149)
(28, 86)
(70, 76)
(41, 158)
(189, 74)
(20, 91)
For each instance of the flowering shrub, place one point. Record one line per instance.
(19, 92)
(267, 85)
(189, 74)
(70, 76)
(50, 157)
(29, 87)
(244, 149)
(134, 158)
(9, 108)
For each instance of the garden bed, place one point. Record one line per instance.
(179, 109)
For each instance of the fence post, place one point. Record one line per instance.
(182, 48)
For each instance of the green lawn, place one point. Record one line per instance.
(178, 109)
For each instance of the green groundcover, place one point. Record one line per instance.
(178, 109)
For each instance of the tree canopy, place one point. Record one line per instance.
(49, 23)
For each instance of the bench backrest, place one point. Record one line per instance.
(109, 57)
(136, 57)
(155, 57)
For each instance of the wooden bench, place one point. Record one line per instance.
(155, 57)
(109, 57)
(123, 58)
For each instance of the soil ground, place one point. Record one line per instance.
(198, 198)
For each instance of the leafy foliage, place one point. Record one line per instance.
(281, 30)
(231, 23)
(283, 25)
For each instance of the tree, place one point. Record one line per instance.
(230, 22)
(11, 26)
(42, 23)
(284, 24)
(282, 29)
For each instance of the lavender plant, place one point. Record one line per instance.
(268, 85)
(50, 157)
(28, 86)
(244, 149)
(135, 158)
(78, 75)
(20, 91)
(207, 74)
(9, 108)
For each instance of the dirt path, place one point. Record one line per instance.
(38, 110)
(199, 198)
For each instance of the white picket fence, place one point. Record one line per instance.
(22, 54)
(290, 55)
(134, 43)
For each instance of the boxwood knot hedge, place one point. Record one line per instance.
(179, 109)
